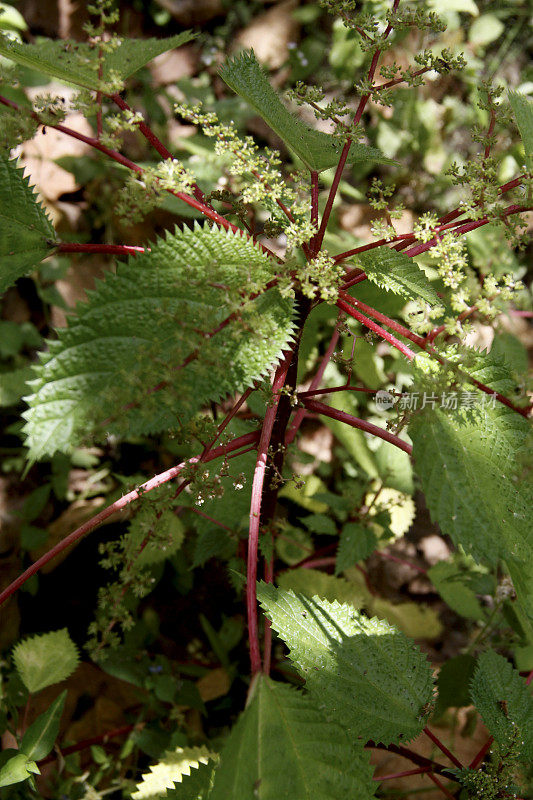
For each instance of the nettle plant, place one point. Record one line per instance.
(231, 316)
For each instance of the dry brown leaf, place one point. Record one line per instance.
(215, 684)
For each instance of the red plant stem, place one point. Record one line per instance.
(529, 678)
(416, 758)
(346, 149)
(376, 328)
(313, 563)
(372, 312)
(397, 560)
(406, 774)
(255, 511)
(126, 162)
(478, 758)
(441, 786)
(300, 413)
(442, 747)
(156, 143)
(118, 505)
(102, 738)
(396, 81)
(211, 519)
(425, 345)
(334, 389)
(355, 422)
(114, 249)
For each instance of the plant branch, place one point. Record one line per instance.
(126, 162)
(442, 747)
(342, 416)
(352, 312)
(372, 312)
(416, 758)
(255, 511)
(121, 503)
(102, 738)
(113, 249)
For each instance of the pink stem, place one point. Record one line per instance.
(313, 563)
(115, 249)
(355, 422)
(478, 758)
(397, 560)
(419, 771)
(372, 312)
(126, 162)
(442, 747)
(121, 503)
(376, 328)
(255, 511)
(102, 738)
(441, 786)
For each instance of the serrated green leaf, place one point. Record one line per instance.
(396, 272)
(282, 749)
(318, 151)
(363, 672)
(467, 465)
(355, 544)
(523, 111)
(453, 683)
(505, 703)
(25, 230)
(39, 738)
(126, 365)
(15, 767)
(78, 63)
(195, 786)
(170, 770)
(46, 659)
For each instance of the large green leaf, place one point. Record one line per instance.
(362, 672)
(523, 111)
(396, 272)
(26, 233)
(39, 738)
(505, 703)
(78, 63)
(318, 151)
(120, 366)
(282, 748)
(467, 463)
(46, 659)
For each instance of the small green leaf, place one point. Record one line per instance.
(317, 150)
(505, 703)
(26, 233)
(396, 272)
(78, 63)
(46, 659)
(523, 111)
(15, 767)
(39, 738)
(356, 543)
